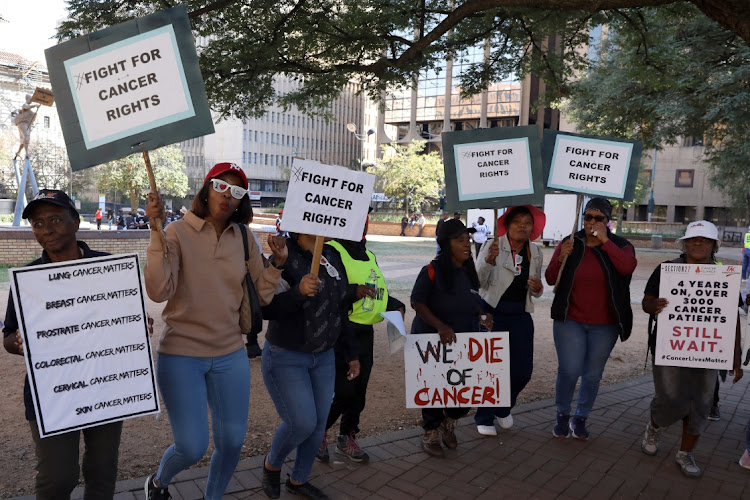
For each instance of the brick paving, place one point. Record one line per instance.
(524, 462)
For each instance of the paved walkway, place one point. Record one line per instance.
(525, 461)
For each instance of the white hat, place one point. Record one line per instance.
(700, 228)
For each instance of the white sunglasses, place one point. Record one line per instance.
(221, 186)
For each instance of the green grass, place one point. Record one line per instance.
(408, 249)
(4, 272)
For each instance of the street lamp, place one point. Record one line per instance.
(362, 137)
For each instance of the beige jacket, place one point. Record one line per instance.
(201, 280)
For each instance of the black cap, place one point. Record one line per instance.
(53, 196)
(453, 228)
(601, 204)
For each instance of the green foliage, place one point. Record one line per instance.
(404, 172)
(129, 174)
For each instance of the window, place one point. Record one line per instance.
(684, 178)
(46, 122)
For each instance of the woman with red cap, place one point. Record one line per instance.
(510, 273)
(201, 357)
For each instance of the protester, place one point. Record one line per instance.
(54, 222)
(590, 309)
(350, 395)
(682, 393)
(510, 272)
(98, 217)
(306, 321)
(746, 256)
(110, 218)
(446, 301)
(481, 235)
(404, 223)
(745, 458)
(201, 358)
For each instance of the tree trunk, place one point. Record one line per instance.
(406, 204)
(133, 201)
(620, 210)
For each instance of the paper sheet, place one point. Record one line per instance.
(396, 330)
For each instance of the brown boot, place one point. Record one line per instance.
(431, 443)
(448, 433)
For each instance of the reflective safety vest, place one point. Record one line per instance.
(747, 240)
(357, 272)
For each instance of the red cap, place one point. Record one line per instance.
(220, 168)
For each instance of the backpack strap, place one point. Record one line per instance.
(243, 230)
(431, 272)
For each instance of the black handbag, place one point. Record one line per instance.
(251, 317)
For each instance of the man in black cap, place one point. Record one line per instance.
(54, 221)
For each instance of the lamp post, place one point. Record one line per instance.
(650, 207)
(362, 137)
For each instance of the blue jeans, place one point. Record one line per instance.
(745, 263)
(301, 387)
(512, 317)
(582, 351)
(187, 385)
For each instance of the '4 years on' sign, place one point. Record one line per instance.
(473, 371)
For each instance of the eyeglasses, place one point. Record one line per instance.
(221, 186)
(597, 218)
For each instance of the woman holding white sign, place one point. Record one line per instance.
(446, 301)
(591, 308)
(201, 354)
(682, 393)
(510, 273)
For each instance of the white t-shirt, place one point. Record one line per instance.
(481, 235)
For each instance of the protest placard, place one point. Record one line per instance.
(473, 371)
(489, 168)
(326, 200)
(591, 165)
(697, 328)
(86, 342)
(129, 88)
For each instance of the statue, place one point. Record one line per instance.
(24, 119)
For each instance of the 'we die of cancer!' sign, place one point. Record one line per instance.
(595, 166)
(493, 167)
(86, 342)
(473, 371)
(325, 200)
(697, 328)
(129, 88)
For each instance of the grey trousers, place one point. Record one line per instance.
(682, 392)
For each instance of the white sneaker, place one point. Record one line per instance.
(487, 430)
(506, 422)
(686, 461)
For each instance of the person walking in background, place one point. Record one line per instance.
(746, 256)
(682, 393)
(98, 217)
(510, 273)
(457, 215)
(421, 222)
(480, 236)
(306, 321)
(110, 218)
(590, 309)
(446, 301)
(349, 396)
(54, 223)
(201, 358)
(404, 223)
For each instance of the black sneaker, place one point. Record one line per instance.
(271, 482)
(561, 429)
(305, 489)
(253, 350)
(154, 493)
(714, 415)
(348, 446)
(578, 428)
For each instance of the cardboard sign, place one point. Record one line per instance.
(474, 371)
(129, 88)
(327, 201)
(491, 168)
(590, 165)
(697, 328)
(43, 97)
(86, 342)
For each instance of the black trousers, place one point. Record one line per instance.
(58, 458)
(349, 396)
(433, 417)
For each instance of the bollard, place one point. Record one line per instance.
(656, 241)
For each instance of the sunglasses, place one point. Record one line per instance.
(597, 218)
(221, 186)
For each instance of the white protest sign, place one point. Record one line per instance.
(590, 166)
(493, 169)
(86, 343)
(697, 328)
(474, 371)
(325, 200)
(129, 87)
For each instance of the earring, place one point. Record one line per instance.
(205, 200)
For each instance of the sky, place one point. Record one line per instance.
(30, 26)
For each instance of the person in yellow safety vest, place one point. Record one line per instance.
(349, 395)
(746, 256)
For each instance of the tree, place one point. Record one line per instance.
(677, 75)
(404, 172)
(129, 175)
(326, 43)
(50, 164)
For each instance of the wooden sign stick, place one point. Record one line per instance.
(152, 183)
(579, 202)
(317, 252)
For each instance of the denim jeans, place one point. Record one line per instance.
(301, 387)
(512, 317)
(187, 385)
(582, 351)
(746, 263)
